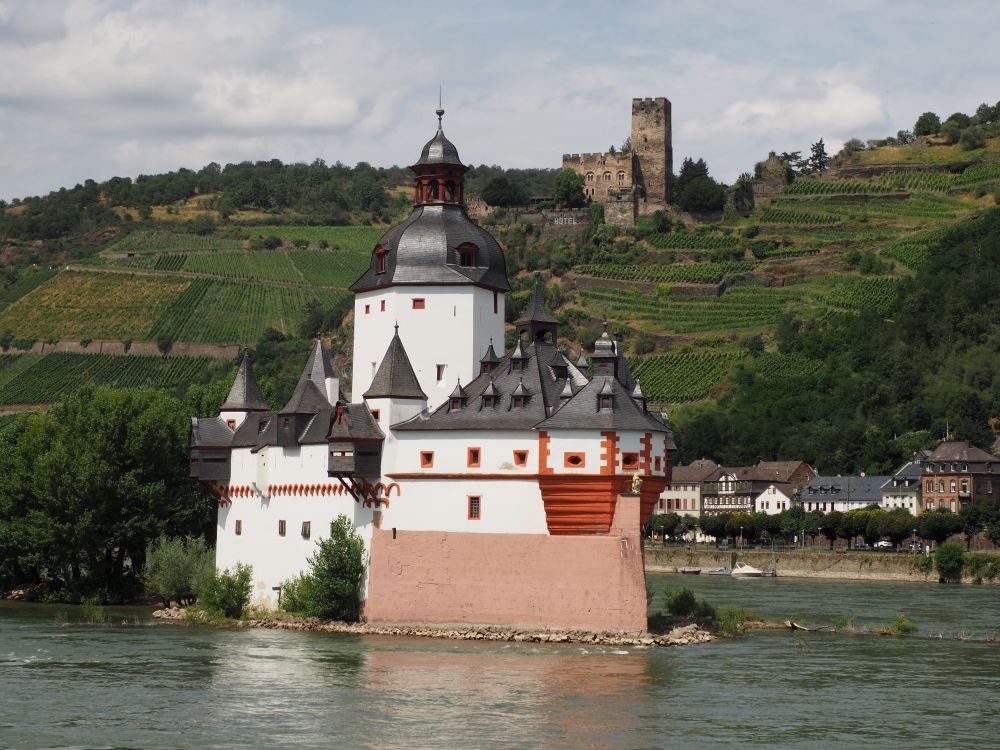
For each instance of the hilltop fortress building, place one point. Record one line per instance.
(638, 181)
(489, 486)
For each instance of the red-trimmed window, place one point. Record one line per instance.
(467, 255)
(630, 460)
(231, 423)
(656, 463)
(419, 303)
(574, 460)
(306, 529)
(282, 527)
(475, 507)
(379, 259)
(473, 458)
(382, 304)
(520, 458)
(426, 459)
(375, 414)
(368, 309)
(239, 527)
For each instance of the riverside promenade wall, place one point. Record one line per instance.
(874, 566)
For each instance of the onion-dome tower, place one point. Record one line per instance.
(438, 271)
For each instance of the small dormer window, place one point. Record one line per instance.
(515, 365)
(380, 261)
(489, 402)
(606, 402)
(467, 255)
(456, 404)
(261, 426)
(518, 402)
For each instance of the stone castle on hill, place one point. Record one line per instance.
(635, 182)
(489, 486)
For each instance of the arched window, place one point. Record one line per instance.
(449, 191)
(590, 176)
(432, 190)
(607, 176)
(621, 177)
(467, 255)
(379, 259)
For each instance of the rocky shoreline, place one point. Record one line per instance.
(685, 635)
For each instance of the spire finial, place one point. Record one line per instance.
(397, 329)
(604, 325)
(440, 110)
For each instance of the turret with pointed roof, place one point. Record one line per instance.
(536, 320)
(395, 377)
(490, 360)
(245, 394)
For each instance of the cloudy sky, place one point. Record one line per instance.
(97, 88)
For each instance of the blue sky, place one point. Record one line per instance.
(96, 88)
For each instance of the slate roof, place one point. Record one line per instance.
(581, 411)
(959, 450)
(307, 398)
(439, 150)
(423, 249)
(911, 470)
(245, 394)
(536, 377)
(356, 423)
(696, 471)
(319, 366)
(395, 377)
(534, 311)
(249, 434)
(853, 489)
(210, 432)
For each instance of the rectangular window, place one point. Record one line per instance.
(426, 459)
(574, 460)
(496, 302)
(281, 527)
(306, 529)
(520, 458)
(475, 507)
(630, 460)
(231, 423)
(376, 414)
(239, 527)
(439, 371)
(656, 463)
(368, 309)
(473, 458)
(418, 303)
(382, 304)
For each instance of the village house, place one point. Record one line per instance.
(902, 491)
(827, 494)
(957, 473)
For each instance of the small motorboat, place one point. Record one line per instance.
(742, 570)
(721, 572)
(690, 571)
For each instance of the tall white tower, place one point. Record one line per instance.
(438, 275)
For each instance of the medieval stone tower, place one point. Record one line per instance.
(633, 183)
(653, 154)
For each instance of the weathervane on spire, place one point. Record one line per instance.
(440, 110)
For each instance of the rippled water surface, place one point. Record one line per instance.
(138, 684)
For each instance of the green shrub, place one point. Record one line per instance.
(949, 561)
(733, 621)
(704, 611)
(92, 610)
(174, 567)
(982, 566)
(679, 601)
(925, 565)
(903, 625)
(226, 593)
(332, 587)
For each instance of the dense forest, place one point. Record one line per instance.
(887, 386)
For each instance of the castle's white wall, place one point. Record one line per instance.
(587, 442)
(453, 329)
(277, 558)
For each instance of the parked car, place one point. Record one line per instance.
(882, 544)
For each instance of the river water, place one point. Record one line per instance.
(140, 684)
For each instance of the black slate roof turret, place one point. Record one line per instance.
(319, 367)
(307, 398)
(395, 377)
(490, 360)
(245, 394)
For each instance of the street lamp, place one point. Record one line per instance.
(741, 537)
(913, 545)
(819, 531)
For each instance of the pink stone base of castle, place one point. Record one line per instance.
(594, 583)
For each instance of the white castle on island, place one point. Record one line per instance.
(489, 488)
